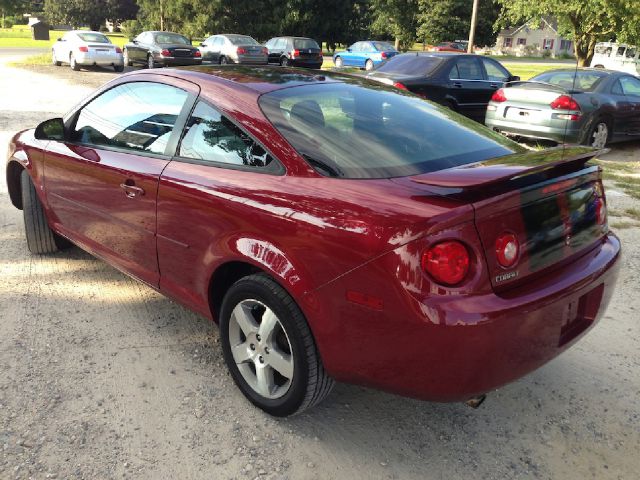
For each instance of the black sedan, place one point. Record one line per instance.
(160, 49)
(464, 83)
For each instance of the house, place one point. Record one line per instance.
(533, 38)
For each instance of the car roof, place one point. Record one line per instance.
(86, 31)
(295, 38)
(580, 69)
(437, 54)
(259, 79)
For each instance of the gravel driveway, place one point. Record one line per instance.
(101, 377)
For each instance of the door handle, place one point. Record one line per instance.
(131, 190)
(494, 85)
(457, 84)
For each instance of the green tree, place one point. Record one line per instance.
(88, 12)
(586, 21)
(448, 20)
(11, 7)
(397, 18)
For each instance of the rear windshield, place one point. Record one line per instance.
(410, 65)
(169, 38)
(94, 38)
(366, 131)
(304, 43)
(580, 80)
(384, 47)
(242, 40)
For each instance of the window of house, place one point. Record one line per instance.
(508, 42)
(212, 137)
(137, 116)
(522, 41)
(565, 45)
(548, 44)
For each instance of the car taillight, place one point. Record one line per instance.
(565, 102)
(118, 50)
(265, 51)
(197, 54)
(499, 96)
(165, 53)
(83, 49)
(601, 211)
(507, 249)
(400, 86)
(384, 55)
(296, 53)
(447, 262)
(241, 51)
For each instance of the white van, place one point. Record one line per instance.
(616, 56)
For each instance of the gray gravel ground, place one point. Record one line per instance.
(101, 377)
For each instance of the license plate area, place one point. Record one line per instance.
(523, 114)
(580, 315)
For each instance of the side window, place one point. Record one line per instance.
(617, 88)
(270, 44)
(468, 69)
(495, 72)
(281, 44)
(212, 137)
(218, 42)
(620, 51)
(630, 86)
(137, 116)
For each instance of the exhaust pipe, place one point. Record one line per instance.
(475, 402)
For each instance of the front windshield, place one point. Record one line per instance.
(242, 40)
(365, 131)
(93, 38)
(171, 38)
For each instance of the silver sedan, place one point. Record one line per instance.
(84, 48)
(233, 48)
(588, 106)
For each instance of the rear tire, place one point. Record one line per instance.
(368, 65)
(118, 68)
(599, 134)
(73, 64)
(599, 66)
(40, 238)
(284, 61)
(339, 63)
(127, 62)
(151, 63)
(286, 346)
(224, 60)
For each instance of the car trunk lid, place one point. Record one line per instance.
(549, 200)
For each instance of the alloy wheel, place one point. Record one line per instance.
(261, 349)
(339, 62)
(368, 65)
(151, 62)
(600, 135)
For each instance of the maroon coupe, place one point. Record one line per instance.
(333, 228)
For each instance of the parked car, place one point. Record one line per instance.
(295, 52)
(82, 48)
(332, 227)
(449, 47)
(616, 56)
(161, 49)
(462, 82)
(366, 54)
(588, 106)
(225, 49)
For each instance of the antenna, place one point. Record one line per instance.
(566, 122)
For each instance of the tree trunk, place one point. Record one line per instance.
(585, 45)
(398, 43)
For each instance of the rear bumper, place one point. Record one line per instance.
(561, 131)
(179, 61)
(447, 347)
(307, 63)
(100, 60)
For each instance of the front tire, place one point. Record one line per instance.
(40, 238)
(54, 60)
(599, 134)
(269, 349)
(127, 61)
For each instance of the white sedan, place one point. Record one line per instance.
(84, 48)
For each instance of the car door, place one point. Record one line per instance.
(630, 89)
(205, 48)
(205, 187)
(136, 50)
(495, 76)
(102, 181)
(467, 87)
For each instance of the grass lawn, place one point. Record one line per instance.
(20, 37)
(526, 70)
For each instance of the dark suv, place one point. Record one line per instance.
(294, 52)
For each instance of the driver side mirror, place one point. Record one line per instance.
(348, 49)
(59, 39)
(513, 78)
(203, 44)
(52, 129)
(133, 40)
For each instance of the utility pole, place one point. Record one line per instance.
(472, 30)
